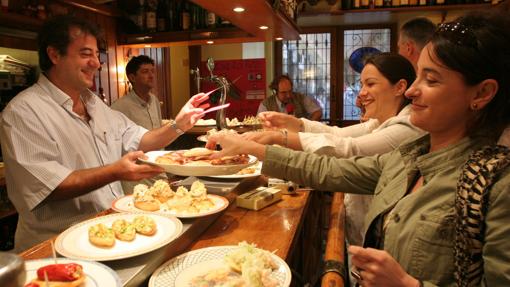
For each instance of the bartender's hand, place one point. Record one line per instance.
(127, 169)
(280, 121)
(378, 268)
(264, 137)
(233, 144)
(191, 112)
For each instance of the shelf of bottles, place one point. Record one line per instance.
(151, 16)
(396, 5)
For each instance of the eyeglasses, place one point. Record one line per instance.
(458, 33)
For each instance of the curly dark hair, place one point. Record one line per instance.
(476, 46)
(55, 33)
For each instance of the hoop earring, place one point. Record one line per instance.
(474, 107)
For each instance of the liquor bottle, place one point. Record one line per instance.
(422, 2)
(378, 3)
(413, 2)
(162, 15)
(439, 2)
(173, 18)
(404, 3)
(210, 20)
(395, 3)
(139, 17)
(185, 16)
(364, 4)
(151, 18)
(387, 3)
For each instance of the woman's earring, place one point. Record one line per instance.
(474, 107)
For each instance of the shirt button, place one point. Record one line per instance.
(396, 217)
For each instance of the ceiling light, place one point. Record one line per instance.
(238, 9)
(279, 38)
(147, 46)
(210, 42)
(263, 27)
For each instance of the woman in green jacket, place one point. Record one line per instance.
(461, 97)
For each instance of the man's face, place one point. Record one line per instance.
(284, 91)
(81, 61)
(144, 77)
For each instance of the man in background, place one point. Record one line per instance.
(413, 36)
(140, 105)
(284, 100)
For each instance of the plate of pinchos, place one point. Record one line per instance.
(251, 171)
(70, 272)
(117, 236)
(235, 265)
(161, 199)
(197, 162)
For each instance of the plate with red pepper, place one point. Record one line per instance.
(70, 272)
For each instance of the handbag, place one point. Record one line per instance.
(471, 204)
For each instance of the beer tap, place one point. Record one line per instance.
(222, 82)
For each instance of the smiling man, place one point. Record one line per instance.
(65, 151)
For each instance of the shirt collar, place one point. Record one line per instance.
(139, 100)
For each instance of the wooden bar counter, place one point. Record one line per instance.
(277, 227)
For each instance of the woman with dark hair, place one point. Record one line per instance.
(440, 210)
(384, 79)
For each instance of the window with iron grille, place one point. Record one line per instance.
(308, 64)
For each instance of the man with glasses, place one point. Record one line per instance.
(284, 100)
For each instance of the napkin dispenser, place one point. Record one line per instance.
(259, 198)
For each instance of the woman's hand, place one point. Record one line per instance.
(378, 268)
(280, 121)
(264, 137)
(191, 112)
(234, 144)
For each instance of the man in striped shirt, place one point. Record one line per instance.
(65, 151)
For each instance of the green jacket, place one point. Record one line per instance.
(421, 228)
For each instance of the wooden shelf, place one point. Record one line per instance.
(176, 38)
(103, 9)
(19, 21)
(257, 13)
(401, 9)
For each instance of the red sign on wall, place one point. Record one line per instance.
(250, 87)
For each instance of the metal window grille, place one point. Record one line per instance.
(308, 64)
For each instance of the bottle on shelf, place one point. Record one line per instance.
(162, 16)
(139, 16)
(185, 16)
(150, 15)
(172, 16)
(210, 19)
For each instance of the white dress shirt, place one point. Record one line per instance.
(43, 141)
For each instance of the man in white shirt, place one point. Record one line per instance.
(286, 101)
(140, 105)
(65, 151)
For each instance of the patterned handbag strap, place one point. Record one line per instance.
(471, 204)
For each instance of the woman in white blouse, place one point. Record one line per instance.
(384, 79)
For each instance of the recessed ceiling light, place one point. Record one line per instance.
(210, 42)
(238, 9)
(147, 46)
(279, 38)
(263, 27)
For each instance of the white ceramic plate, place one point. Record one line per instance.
(257, 166)
(74, 242)
(180, 270)
(126, 204)
(195, 170)
(205, 123)
(202, 138)
(98, 274)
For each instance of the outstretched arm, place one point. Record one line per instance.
(186, 119)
